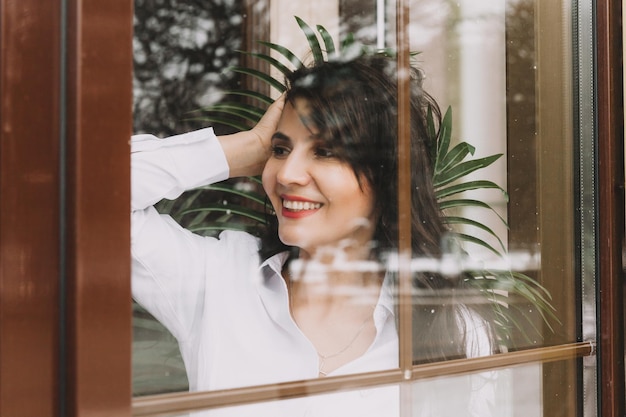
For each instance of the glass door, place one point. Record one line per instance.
(521, 79)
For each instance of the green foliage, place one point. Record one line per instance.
(237, 204)
(179, 47)
(507, 291)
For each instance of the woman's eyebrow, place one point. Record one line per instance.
(285, 138)
(281, 136)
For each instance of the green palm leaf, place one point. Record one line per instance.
(442, 193)
(518, 284)
(348, 42)
(235, 124)
(216, 227)
(456, 155)
(290, 56)
(273, 82)
(314, 43)
(445, 134)
(251, 94)
(282, 68)
(433, 145)
(453, 173)
(201, 213)
(477, 241)
(249, 195)
(329, 43)
(244, 111)
(469, 222)
(462, 203)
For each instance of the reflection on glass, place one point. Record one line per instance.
(303, 284)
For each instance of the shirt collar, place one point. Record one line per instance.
(273, 289)
(275, 262)
(272, 268)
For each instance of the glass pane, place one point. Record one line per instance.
(495, 273)
(502, 392)
(181, 50)
(503, 69)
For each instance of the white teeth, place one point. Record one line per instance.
(300, 205)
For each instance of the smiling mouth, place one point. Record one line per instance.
(298, 206)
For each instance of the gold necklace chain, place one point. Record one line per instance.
(323, 358)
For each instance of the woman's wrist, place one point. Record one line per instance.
(245, 153)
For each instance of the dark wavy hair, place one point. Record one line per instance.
(353, 104)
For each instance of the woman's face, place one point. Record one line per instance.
(317, 198)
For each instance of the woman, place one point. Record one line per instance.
(309, 299)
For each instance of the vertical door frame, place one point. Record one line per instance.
(65, 319)
(610, 180)
(64, 194)
(98, 118)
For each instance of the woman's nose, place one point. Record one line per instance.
(293, 170)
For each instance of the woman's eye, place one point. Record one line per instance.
(324, 153)
(279, 151)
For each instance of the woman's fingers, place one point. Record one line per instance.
(267, 125)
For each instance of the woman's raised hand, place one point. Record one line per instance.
(267, 125)
(247, 151)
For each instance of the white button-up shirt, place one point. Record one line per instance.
(228, 309)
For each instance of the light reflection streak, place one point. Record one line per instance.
(446, 265)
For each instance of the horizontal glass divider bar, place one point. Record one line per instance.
(171, 404)
(503, 360)
(156, 405)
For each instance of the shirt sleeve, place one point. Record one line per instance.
(165, 168)
(169, 263)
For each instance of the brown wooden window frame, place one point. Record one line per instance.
(65, 81)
